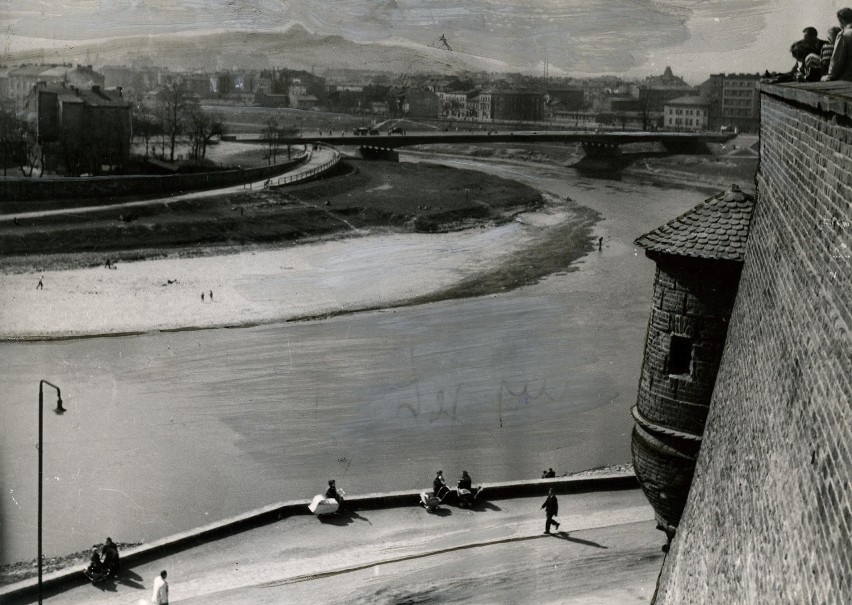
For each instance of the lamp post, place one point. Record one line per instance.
(59, 410)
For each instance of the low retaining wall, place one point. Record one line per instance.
(71, 577)
(106, 188)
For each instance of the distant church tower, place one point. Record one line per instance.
(699, 258)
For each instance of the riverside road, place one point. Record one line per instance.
(173, 430)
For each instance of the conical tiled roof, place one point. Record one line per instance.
(715, 229)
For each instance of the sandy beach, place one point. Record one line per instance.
(257, 286)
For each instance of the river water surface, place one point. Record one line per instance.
(168, 431)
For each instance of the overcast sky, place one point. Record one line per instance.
(629, 37)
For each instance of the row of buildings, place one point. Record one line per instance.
(663, 101)
(83, 116)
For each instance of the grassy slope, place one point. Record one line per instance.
(373, 194)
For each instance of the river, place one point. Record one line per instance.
(168, 431)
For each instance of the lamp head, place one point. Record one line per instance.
(59, 409)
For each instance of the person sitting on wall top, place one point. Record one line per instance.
(810, 38)
(110, 557)
(828, 49)
(332, 493)
(807, 66)
(439, 486)
(840, 67)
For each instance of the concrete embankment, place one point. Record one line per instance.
(57, 582)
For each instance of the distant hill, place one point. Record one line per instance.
(295, 48)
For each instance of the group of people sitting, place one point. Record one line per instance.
(825, 60)
(104, 563)
(464, 488)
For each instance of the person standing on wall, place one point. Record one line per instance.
(840, 67)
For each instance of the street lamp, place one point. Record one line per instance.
(58, 411)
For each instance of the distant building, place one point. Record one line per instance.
(81, 131)
(379, 108)
(415, 103)
(271, 100)
(346, 87)
(657, 90)
(453, 104)
(564, 99)
(734, 101)
(687, 113)
(135, 81)
(484, 106)
(516, 105)
(21, 80)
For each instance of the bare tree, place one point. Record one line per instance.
(32, 155)
(10, 137)
(201, 127)
(146, 125)
(172, 103)
(271, 134)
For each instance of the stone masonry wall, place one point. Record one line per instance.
(769, 515)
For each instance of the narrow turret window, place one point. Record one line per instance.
(680, 356)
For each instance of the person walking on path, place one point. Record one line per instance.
(202, 297)
(160, 596)
(211, 295)
(40, 285)
(551, 509)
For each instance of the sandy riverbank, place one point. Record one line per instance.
(264, 285)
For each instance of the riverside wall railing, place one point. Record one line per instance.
(288, 179)
(56, 582)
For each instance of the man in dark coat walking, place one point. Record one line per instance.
(551, 508)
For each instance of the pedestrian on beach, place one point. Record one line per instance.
(600, 244)
(160, 596)
(40, 285)
(202, 297)
(551, 509)
(107, 264)
(211, 295)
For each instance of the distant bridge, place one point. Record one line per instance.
(671, 140)
(602, 149)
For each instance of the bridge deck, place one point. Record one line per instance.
(603, 138)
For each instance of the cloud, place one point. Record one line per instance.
(574, 36)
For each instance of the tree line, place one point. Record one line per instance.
(176, 112)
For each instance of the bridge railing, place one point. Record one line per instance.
(303, 157)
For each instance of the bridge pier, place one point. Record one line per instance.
(601, 150)
(604, 159)
(378, 153)
(686, 147)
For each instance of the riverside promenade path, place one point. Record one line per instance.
(606, 552)
(317, 158)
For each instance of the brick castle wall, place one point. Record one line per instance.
(769, 515)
